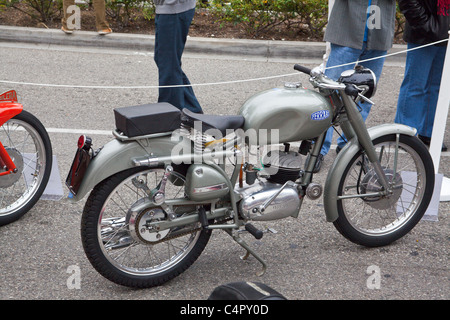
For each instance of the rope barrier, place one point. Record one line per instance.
(388, 55)
(210, 83)
(146, 87)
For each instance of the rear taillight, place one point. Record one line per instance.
(84, 142)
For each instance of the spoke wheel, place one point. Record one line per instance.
(119, 241)
(28, 145)
(376, 220)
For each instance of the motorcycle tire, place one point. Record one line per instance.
(116, 244)
(374, 221)
(28, 144)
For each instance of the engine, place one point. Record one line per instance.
(282, 166)
(274, 197)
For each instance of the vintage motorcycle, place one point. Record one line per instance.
(25, 159)
(163, 184)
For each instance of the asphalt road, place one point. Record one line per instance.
(307, 259)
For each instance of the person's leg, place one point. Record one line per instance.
(412, 96)
(376, 66)
(100, 15)
(170, 37)
(338, 55)
(190, 100)
(432, 91)
(168, 58)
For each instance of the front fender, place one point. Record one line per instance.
(116, 156)
(343, 158)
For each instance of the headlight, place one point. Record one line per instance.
(363, 78)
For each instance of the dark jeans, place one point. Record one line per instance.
(170, 39)
(419, 91)
(341, 55)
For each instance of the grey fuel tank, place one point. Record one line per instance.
(297, 113)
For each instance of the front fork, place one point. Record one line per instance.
(6, 162)
(355, 126)
(8, 109)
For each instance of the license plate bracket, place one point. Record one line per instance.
(77, 170)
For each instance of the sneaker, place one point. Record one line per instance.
(318, 164)
(68, 31)
(427, 141)
(105, 31)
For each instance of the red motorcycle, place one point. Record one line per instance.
(25, 159)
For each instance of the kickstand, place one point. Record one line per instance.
(243, 244)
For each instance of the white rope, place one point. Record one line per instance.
(387, 55)
(145, 87)
(205, 84)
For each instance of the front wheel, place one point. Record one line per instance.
(118, 240)
(27, 143)
(375, 220)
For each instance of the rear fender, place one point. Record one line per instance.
(117, 155)
(344, 157)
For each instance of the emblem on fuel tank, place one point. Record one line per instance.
(320, 115)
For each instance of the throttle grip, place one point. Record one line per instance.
(302, 69)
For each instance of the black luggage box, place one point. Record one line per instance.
(147, 119)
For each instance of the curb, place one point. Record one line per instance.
(268, 49)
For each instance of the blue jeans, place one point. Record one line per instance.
(171, 32)
(341, 55)
(419, 91)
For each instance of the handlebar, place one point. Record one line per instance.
(318, 79)
(302, 69)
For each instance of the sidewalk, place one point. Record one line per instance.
(268, 49)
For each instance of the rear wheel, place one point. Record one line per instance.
(27, 143)
(375, 220)
(118, 240)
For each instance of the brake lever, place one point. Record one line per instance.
(365, 98)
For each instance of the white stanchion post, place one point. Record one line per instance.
(440, 120)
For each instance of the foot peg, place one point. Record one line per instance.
(258, 234)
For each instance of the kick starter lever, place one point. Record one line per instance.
(264, 206)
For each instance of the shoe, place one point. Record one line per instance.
(427, 141)
(318, 164)
(338, 149)
(68, 31)
(105, 31)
